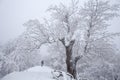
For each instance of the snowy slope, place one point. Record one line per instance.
(39, 69)
(28, 76)
(37, 73)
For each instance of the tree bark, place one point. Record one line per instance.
(70, 61)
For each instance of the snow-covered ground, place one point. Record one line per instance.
(39, 69)
(38, 73)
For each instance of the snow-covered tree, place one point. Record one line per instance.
(116, 67)
(81, 31)
(1, 59)
(25, 55)
(7, 65)
(18, 55)
(56, 57)
(100, 70)
(9, 47)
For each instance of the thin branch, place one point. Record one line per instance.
(78, 58)
(107, 36)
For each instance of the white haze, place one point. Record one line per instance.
(13, 13)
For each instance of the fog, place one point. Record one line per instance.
(14, 13)
(72, 51)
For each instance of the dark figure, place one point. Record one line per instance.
(42, 63)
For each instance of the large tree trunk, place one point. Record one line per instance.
(70, 61)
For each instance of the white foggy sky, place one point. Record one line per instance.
(13, 13)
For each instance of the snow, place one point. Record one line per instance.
(28, 76)
(39, 69)
(37, 73)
